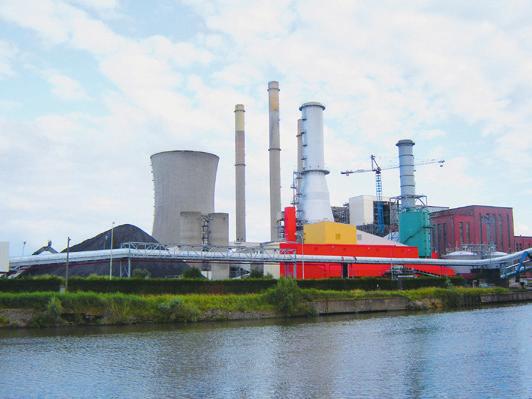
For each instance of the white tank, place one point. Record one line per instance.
(184, 181)
(315, 204)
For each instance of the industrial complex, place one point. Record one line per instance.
(399, 237)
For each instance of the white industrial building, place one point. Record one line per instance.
(362, 209)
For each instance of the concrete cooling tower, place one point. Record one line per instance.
(184, 182)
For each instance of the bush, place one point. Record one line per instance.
(287, 297)
(193, 273)
(51, 315)
(141, 274)
(203, 286)
(256, 274)
(176, 310)
(31, 284)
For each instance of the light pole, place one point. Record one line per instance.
(67, 264)
(23, 247)
(111, 253)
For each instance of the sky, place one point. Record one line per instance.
(90, 89)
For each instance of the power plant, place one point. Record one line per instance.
(305, 240)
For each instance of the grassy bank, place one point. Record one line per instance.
(37, 309)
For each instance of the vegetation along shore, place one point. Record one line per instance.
(203, 301)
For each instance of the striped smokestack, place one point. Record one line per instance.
(406, 173)
(240, 174)
(299, 137)
(275, 159)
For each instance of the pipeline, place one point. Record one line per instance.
(256, 254)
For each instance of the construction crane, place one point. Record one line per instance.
(378, 183)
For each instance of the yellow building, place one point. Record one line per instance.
(329, 233)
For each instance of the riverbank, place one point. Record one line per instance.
(44, 309)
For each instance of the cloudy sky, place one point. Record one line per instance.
(89, 89)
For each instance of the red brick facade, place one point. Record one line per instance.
(474, 224)
(522, 242)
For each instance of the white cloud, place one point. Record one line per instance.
(7, 55)
(384, 70)
(64, 87)
(104, 5)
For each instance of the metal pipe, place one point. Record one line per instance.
(406, 173)
(275, 159)
(240, 173)
(257, 254)
(299, 137)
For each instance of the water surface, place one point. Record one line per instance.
(484, 353)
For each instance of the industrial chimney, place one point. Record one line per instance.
(275, 159)
(406, 171)
(299, 137)
(240, 174)
(315, 201)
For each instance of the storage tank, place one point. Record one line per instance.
(184, 181)
(462, 255)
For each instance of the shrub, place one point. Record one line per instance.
(141, 274)
(256, 274)
(287, 297)
(31, 284)
(177, 310)
(193, 272)
(51, 315)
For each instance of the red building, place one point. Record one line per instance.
(522, 242)
(474, 224)
(348, 270)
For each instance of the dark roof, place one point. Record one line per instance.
(46, 248)
(121, 234)
(451, 211)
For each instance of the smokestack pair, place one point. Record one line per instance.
(275, 166)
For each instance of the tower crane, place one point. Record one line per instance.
(375, 167)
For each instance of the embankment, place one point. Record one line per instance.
(286, 299)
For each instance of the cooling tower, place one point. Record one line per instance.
(184, 181)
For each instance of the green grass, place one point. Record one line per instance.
(53, 308)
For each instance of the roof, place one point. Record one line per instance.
(471, 207)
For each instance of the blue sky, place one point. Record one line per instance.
(89, 89)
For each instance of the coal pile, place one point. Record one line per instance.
(121, 234)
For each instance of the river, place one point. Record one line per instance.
(484, 353)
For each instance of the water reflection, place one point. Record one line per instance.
(482, 353)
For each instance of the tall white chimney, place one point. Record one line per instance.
(299, 137)
(315, 201)
(406, 173)
(275, 159)
(240, 173)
